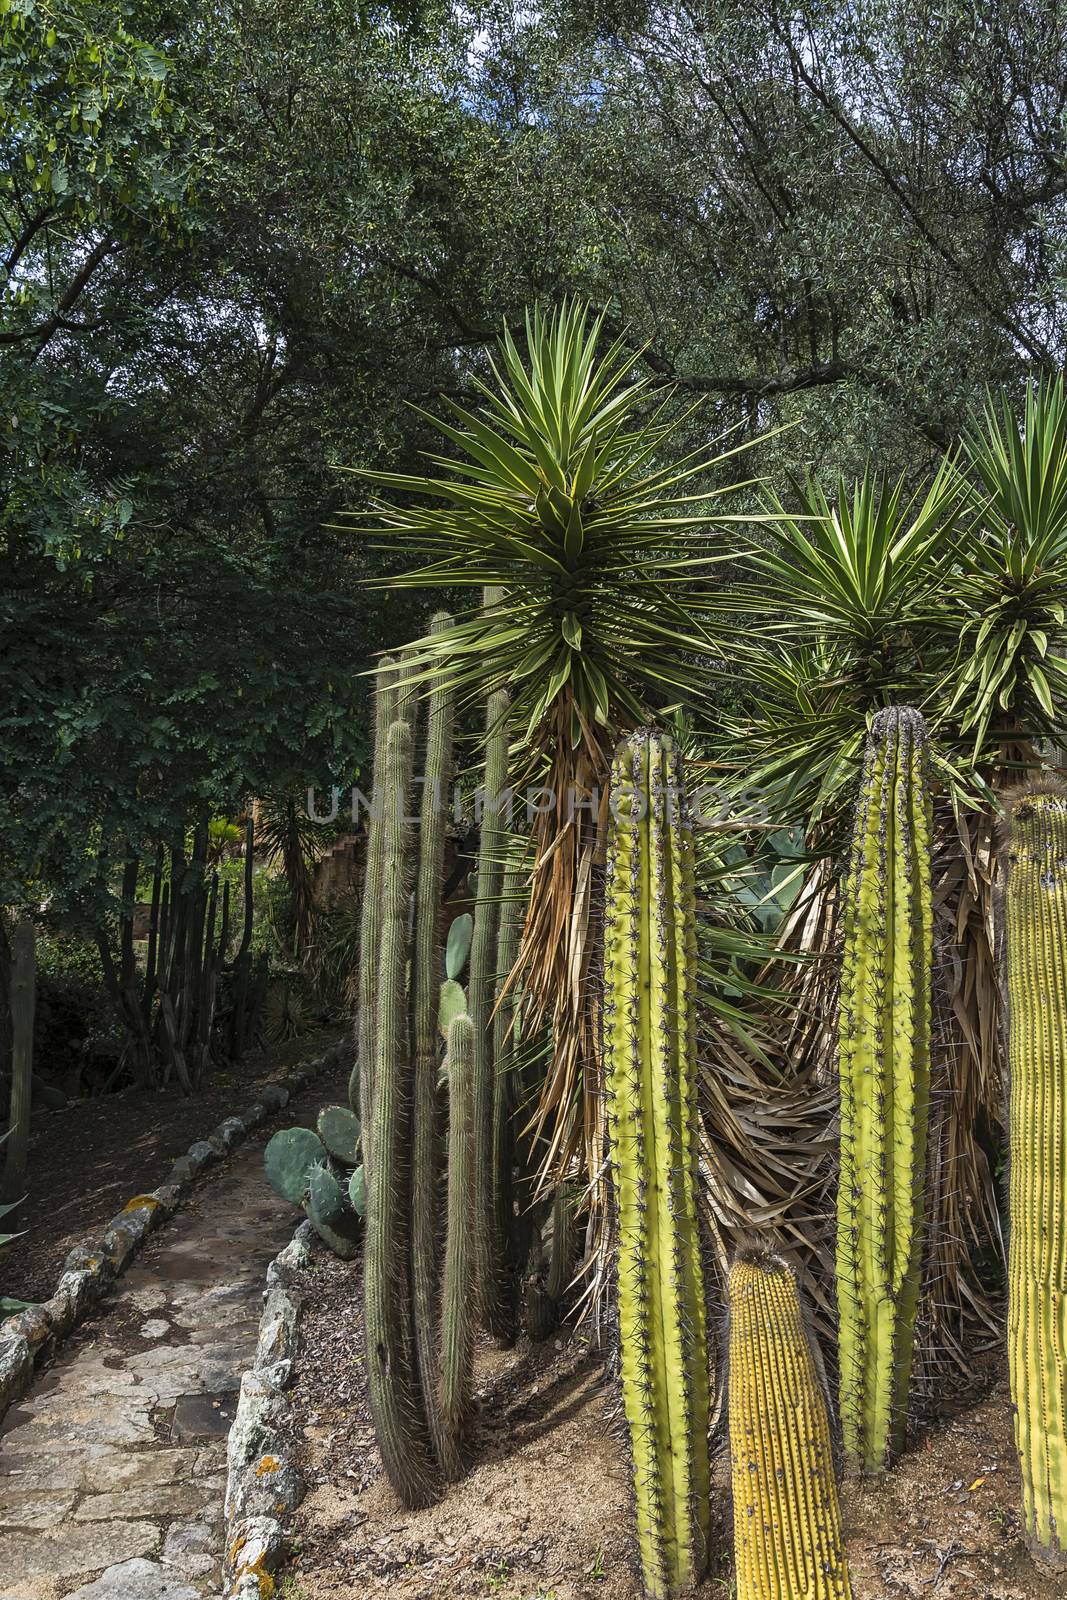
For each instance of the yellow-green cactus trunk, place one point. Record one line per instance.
(787, 1523)
(884, 1062)
(1035, 928)
(650, 1069)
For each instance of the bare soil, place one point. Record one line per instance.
(544, 1513)
(87, 1159)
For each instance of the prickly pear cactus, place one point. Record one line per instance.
(289, 1159)
(650, 1062)
(787, 1524)
(339, 1131)
(884, 1064)
(1035, 929)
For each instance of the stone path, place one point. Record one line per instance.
(112, 1468)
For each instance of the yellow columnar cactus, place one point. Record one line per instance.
(884, 1064)
(1035, 928)
(650, 1068)
(787, 1525)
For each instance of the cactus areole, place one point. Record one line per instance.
(650, 1067)
(1035, 931)
(884, 1064)
(787, 1522)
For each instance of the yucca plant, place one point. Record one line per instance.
(561, 493)
(1010, 577)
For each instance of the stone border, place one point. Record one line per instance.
(262, 1486)
(30, 1336)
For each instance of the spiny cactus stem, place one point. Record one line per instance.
(650, 947)
(457, 1311)
(787, 1525)
(1035, 921)
(483, 962)
(884, 1058)
(395, 1394)
(361, 1083)
(426, 1117)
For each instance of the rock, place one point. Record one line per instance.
(254, 1114)
(71, 1549)
(229, 1133)
(123, 1238)
(34, 1325)
(169, 1196)
(181, 1174)
(277, 1329)
(16, 1369)
(256, 1547)
(190, 1546)
(154, 1328)
(159, 1500)
(274, 1096)
(137, 1580)
(262, 1419)
(67, 1304)
(201, 1155)
(88, 1258)
(37, 1508)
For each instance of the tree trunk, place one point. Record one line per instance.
(23, 998)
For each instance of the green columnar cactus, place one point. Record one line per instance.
(564, 1242)
(506, 1043)
(360, 1085)
(458, 1314)
(395, 1393)
(481, 994)
(884, 1061)
(426, 1102)
(1035, 928)
(650, 1071)
(787, 1523)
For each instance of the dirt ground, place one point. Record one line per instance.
(89, 1158)
(544, 1513)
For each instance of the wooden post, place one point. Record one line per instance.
(23, 1000)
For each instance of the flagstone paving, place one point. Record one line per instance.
(112, 1468)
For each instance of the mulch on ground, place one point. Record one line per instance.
(89, 1158)
(545, 1514)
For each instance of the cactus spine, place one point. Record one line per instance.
(458, 1323)
(481, 990)
(884, 1059)
(360, 1084)
(426, 985)
(787, 1524)
(650, 1058)
(395, 1394)
(1035, 927)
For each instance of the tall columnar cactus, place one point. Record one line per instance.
(458, 1314)
(360, 1087)
(787, 1524)
(1035, 928)
(395, 1392)
(650, 1068)
(481, 996)
(506, 1056)
(884, 1058)
(426, 988)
